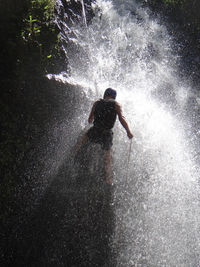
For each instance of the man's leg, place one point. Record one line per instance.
(107, 159)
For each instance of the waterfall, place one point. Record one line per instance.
(157, 208)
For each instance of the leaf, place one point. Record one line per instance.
(31, 20)
(49, 56)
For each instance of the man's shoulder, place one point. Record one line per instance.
(118, 107)
(97, 101)
(117, 104)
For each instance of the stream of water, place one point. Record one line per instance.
(157, 207)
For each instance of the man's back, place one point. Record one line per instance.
(105, 113)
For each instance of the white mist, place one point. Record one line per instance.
(157, 208)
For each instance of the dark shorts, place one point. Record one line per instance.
(101, 136)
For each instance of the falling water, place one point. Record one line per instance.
(157, 208)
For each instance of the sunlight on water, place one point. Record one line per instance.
(158, 212)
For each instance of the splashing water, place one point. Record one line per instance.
(157, 211)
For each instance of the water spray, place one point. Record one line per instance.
(83, 13)
(128, 163)
(158, 219)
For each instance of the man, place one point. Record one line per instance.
(103, 116)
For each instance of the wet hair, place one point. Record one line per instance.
(110, 92)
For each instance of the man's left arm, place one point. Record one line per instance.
(123, 120)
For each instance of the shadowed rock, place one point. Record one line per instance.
(73, 223)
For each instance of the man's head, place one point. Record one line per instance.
(109, 92)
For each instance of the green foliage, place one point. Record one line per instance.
(39, 26)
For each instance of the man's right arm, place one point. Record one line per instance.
(91, 116)
(123, 120)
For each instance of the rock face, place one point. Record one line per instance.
(73, 11)
(73, 223)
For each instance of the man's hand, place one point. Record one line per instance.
(130, 135)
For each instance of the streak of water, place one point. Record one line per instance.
(158, 216)
(83, 13)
